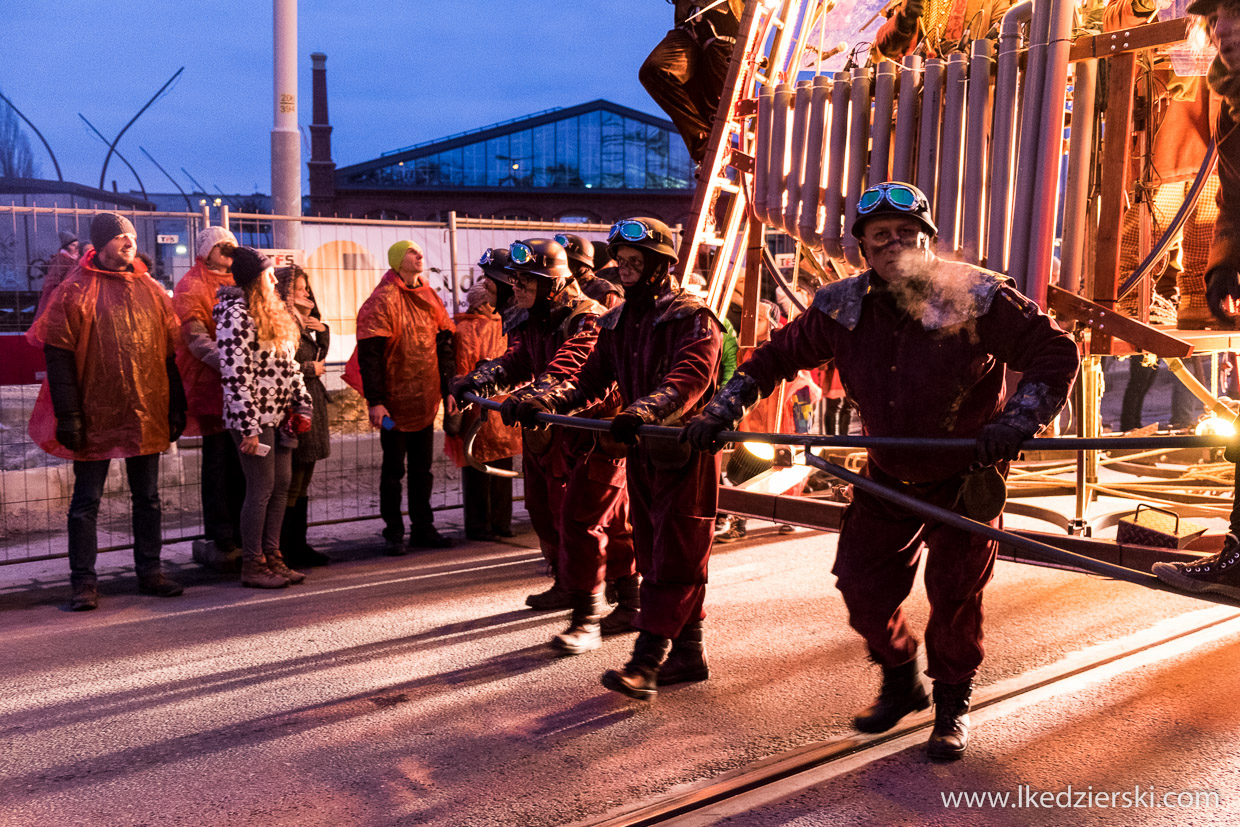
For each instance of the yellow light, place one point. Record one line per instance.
(761, 450)
(1216, 426)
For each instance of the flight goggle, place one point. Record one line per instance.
(562, 240)
(901, 196)
(488, 258)
(522, 255)
(632, 230)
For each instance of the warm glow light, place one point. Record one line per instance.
(1216, 426)
(761, 450)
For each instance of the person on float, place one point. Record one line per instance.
(112, 392)
(487, 498)
(575, 487)
(222, 484)
(922, 345)
(402, 366)
(581, 261)
(1220, 572)
(660, 350)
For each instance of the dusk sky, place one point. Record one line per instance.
(398, 73)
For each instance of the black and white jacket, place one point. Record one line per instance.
(261, 384)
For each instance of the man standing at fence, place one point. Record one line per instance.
(404, 355)
(921, 344)
(198, 360)
(109, 334)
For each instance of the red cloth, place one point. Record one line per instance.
(409, 318)
(193, 298)
(766, 418)
(122, 329)
(480, 337)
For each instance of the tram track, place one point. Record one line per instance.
(778, 776)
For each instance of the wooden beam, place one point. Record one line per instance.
(751, 291)
(1119, 119)
(1121, 41)
(1104, 321)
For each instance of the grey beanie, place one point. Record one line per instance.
(108, 225)
(66, 238)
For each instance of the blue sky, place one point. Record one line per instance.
(399, 72)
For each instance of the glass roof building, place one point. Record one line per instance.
(598, 145)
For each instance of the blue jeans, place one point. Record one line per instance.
(88, 480)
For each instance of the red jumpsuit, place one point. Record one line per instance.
(663, 357)
(574, 481)
(935, 372)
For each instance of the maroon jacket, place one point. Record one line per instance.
(662, 356)
(939, 375)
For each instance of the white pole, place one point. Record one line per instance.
(285, 139)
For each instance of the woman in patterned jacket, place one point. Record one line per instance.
(265, 406)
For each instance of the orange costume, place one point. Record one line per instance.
(479, 338)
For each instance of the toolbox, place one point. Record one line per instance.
(1157, 527)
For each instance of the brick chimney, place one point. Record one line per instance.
(322, 168)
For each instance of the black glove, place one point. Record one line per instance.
(176, 425)
(71, 431)
(528, 410)
(460, 386)
(624, 428)
(508, 410)
(997, 442)
(1222, 283)
(703, 431)
(909, 14)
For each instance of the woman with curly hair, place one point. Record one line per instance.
(293, 285)
(266, 405)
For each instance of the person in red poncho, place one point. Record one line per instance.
(404, 357)
(112, 392)
(61, 265)
(198, 359)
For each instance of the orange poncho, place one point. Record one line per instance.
(409, 318)
(122, 329)
(479, 337)
(193, 299)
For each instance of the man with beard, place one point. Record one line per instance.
(921, 345)
(575, 491)
(581, 261)
(659, 349)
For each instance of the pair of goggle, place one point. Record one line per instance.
(630, 229)
(488, 258)
(523, 255)
(901, 196)
(561, 239)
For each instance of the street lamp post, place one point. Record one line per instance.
(285, 139)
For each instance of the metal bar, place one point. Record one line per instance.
(1003, 135)
(883, 122)
(808, 228)
(837, 151)
(1080, 166)
(951, 153)
(858, 158)
(906, 120)
(928, 140)
(977, 140)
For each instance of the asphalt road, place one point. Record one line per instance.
(420, 690)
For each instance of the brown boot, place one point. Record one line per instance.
(275, 562)
(639, 677)
(686, 663)
(256, 575)
(582, 634)
(628, 601)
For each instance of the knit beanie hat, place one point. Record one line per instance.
(396, 254)
(108, 225)
(478, 294)
(67, 238)
(208, 237)
(248, 265)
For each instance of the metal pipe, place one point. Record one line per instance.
(837, 153)
(452, 257)
(36, 131)
(883, 122)
(1027, 145)
(112, 147)
(188, 205)
(285, 138)
(1003, 135)
(928, 140)
(762, 154)
(808, 228)
(777, 175)
(1049, 154)
(796, 168)
(124, 160)
(906, 120)
(858, 159)
(1076, 199)
(973, 198)
(951, 153)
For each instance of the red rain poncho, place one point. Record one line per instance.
(122, 329)
(193, 299)
(479, 338)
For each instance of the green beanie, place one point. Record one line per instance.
(396, 254)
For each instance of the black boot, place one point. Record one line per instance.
(555, 597)
(686, 662)
(950, 737)
(628, 601)
(582, 634)
(301, 555)
(639, 677)
(902, 692)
